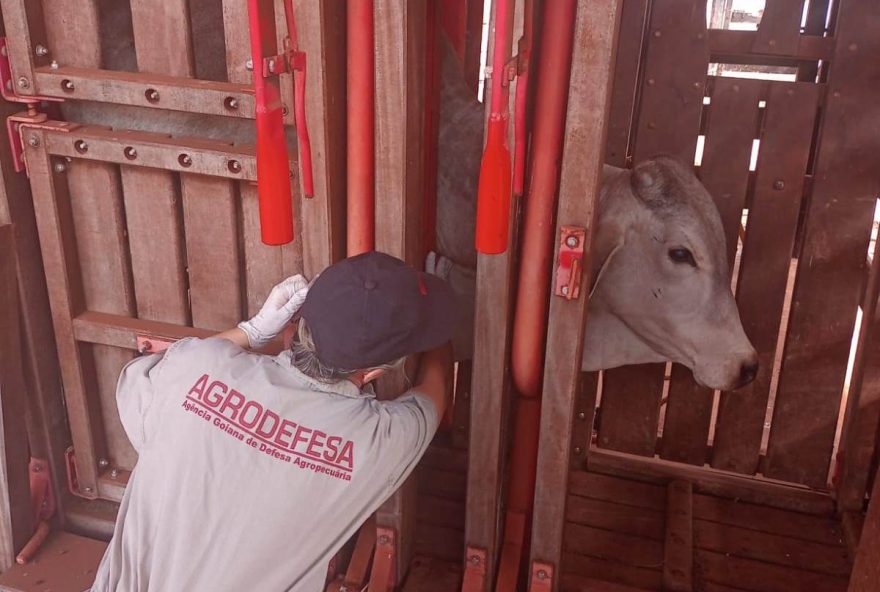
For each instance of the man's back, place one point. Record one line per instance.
(250, 475)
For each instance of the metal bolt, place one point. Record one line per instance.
(145, 347)
(572, 242)
(33, 141)
(234, 166)
(59, 167)
(651, 81)
(577, 450)
(565, 290)
(88, 490)
(656, 33)
(542, 575)
(41, 51)
(384, 539)
(23, 82)
(778, 184)
(81, 146)
(582, 415)
(271, 66)
(53, 64)
(231, 103)
(130, 152)
(68, 85)
(475, 560)
(114, 473)
(343, 588)
(185, 160)
(152, 95)
(37, 468)
(103, 463)
(249, 65)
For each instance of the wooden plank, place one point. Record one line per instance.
(780, 27)
(102, 248)
(212, 254)
(428, 574)
(575, 567)
(585, 412)
(444, 484)
(678, 550)
(573, 583)
(766, 257)
(713, 482)
(613, 546)
(595, 41)
(644, 523)
(727, 46)
(769, 548)
(668, 121)
(490, 387)
(16, 510)
(121, 331)
(866, 570)
(153, 214)
(162, 37)
(732, 125)
(794, 525)
(238, 43)
(440, 511)
(846, 185)
(439, 542)
(618, 490)
(321, 28)
(759, 576)
(633, 16)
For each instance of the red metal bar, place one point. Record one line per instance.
(432, 127)
(273, 175)
(493, 201)
(361, 114)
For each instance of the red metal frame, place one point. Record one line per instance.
(569, 268)
(474, 579)
(384, 561)
(542, 577)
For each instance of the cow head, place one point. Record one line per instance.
(661, 287)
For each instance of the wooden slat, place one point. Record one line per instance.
(626, 71)
(573, 583)
(613, 546)
(428, 574)
(618, 491)
(668, 121)
(732, 46)
(644, 523)
(439, 542)
(102, 247)
(152, 210)
(846, 185)
(678, 550)
(766, 257)
(765, 519)
(575, 566)
(780, 27)
(732, 125)
(759, 576)
(595, 39)
(121, 331)
(866, 571)
(321, 28)
(212, 254)
(16, 511)
(443, 484)
(162, 36)
(64, 281)
(769, 548)
(585, 414)
(440, 511)
(713, 482)
(490, 386)
(238, 48)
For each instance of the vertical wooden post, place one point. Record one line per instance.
(582, 161)
(490, 391)
(16, 514)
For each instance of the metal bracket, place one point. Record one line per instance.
(8, 86)
(569, 268)
(150, 344)
(382, 579)
(474, 571)
(42, 496)
(18, 123)
(541, 579)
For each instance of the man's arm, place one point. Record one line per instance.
(236, 336)
(434, 379)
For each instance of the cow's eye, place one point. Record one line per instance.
(682, 256)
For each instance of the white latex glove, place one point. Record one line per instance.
(283, 302)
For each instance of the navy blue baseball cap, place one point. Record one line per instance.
(373, 309)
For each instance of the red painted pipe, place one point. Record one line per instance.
(493, 199)
(273, 175)
(432, 126)
(530, 319)
(361, 152)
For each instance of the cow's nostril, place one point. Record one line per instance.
(747, 373)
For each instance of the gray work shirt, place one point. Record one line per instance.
(250, 475)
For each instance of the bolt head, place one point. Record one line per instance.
(33, 141)
(542, 575)
(114, 473)
(578, 450)
(234, 166)
(88, 489)
(37, 468)
(384, 539)
(54, 65)
(23, 82)
(475, 560)
(572, 242)
(778, 184)
(582, 415)
(249, 65)
(41, 51)
(59, 167)
(68, 85)
(565, 290)
(103, 463)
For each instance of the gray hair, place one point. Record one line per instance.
(305, 359)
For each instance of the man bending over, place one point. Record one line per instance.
(254, 470)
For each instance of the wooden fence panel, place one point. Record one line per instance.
(162, 37)
(212, 255)
(672, 90)
(780, 28)
(732, 125)
(766, 258)
(102, 246)
(829, 281)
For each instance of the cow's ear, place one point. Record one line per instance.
(650, 183)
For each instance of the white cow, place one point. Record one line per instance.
(660, 283)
